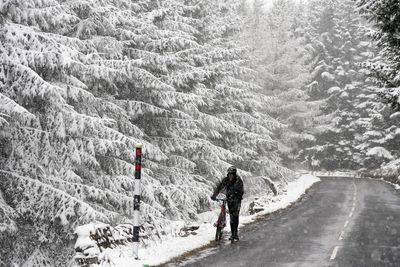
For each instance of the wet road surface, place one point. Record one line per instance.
(340, 222)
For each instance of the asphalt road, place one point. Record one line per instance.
(340, 222)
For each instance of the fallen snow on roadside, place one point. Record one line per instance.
(294, 191)
(346, 174)
(396, 186)
(175, 246)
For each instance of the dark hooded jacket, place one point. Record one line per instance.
(234, 189)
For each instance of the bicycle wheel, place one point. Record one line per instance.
(218, 234)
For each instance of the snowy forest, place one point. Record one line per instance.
(270, 87)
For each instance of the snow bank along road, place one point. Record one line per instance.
(340, 222)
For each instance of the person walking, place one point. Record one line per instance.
(233, 185)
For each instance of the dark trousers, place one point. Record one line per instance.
(234, 210)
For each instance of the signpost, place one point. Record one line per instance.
(136, 200)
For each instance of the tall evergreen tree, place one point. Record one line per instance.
(281, 58)
(385, 17)
(340, 45)
(384, 72)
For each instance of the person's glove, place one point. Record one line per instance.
(214, 198)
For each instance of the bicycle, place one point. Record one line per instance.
(221, 222)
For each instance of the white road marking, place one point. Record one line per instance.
(334, 252)
(341, 235)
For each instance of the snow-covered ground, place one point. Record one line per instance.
(336, 173)
(354, 174)
(175, 246)
(396, 186)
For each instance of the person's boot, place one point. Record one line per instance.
(235, 237)
(235, 227)
(232, 232)
(232, 237)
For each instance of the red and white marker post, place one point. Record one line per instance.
(136, 200)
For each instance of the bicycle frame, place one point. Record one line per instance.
(221, 222)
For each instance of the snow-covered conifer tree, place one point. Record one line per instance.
(281, 58)
(340, 45)
(384, 16)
